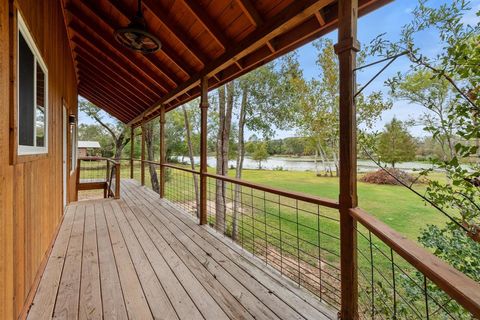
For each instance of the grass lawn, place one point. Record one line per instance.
(395, 205)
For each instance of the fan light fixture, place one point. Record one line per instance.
(136, 37)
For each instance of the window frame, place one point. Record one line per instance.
(25, 150)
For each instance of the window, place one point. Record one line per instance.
(32, 96)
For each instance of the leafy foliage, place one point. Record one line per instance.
(395, 144)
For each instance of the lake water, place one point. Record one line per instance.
(306, 164)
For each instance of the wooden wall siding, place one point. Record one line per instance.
(31, 191)
(220, 39)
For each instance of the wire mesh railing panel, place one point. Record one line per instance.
(391, 288)
(137, 170)
(125, 172)
(182, 188)
(301, 240)
(92, 170)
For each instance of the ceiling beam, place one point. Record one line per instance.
(112, 89)
(166, 49)
(93, 53)
(105, 29)
(176, 30)
(251, 12)
(320, 17)
(112, 76)
(110, 98)
(123, 62)
(94, 92)
(207, 22)
(289, 17)
(86, 93)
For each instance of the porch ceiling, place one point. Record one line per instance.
(215, 38)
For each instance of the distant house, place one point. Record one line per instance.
(88, 148)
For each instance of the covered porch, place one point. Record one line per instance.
(141, 257)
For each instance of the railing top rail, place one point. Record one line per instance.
(456, 284)
(168, 165)
(98, 159)
(291, 194)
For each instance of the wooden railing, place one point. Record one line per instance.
(99, 173)
(397, 277)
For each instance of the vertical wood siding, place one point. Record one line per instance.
(31, 191)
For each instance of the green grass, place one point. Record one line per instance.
(395, 205)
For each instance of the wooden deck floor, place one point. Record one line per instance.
(141, 258)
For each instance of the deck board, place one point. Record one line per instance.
(140, 257)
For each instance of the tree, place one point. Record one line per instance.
(260, 154)
(436, 96)
(395, 144)
(151, 127)
(115, 128)
(188, 136)
(317, 106)
(225, 108)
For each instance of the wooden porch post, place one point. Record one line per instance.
(203, 150)
(132, 149)
(162, 152)
(142, 168)
(346, 50)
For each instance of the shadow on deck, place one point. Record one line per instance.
(140, 257)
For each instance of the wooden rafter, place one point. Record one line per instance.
(105, 93)
(207, 22)
(285, 20)
(176, 30)
(104, 31)
(166, 50)
(113, 77)
(99, 102)
(134, 103)
(107, 62)
(251, 12)
(95, 41)
(93, 97)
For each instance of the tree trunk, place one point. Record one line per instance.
(192, 160)
(151, 157)
(120, 143)
(225, 106)
(239, 164)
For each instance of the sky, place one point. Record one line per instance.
(389, 20)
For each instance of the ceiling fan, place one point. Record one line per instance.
(135, 36)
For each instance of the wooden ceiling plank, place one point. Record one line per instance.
(166, 50)
(102, 105)
(94, 93)
(128, 87)
(125, 62)
(154, 7)
(125, 85)
(251, 12)
(113, 89)
(254, 16)
(207, 22)
(95, 54)
(289, 17)
(111, 98)
(140, 61)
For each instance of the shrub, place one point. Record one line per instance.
(382, 177)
